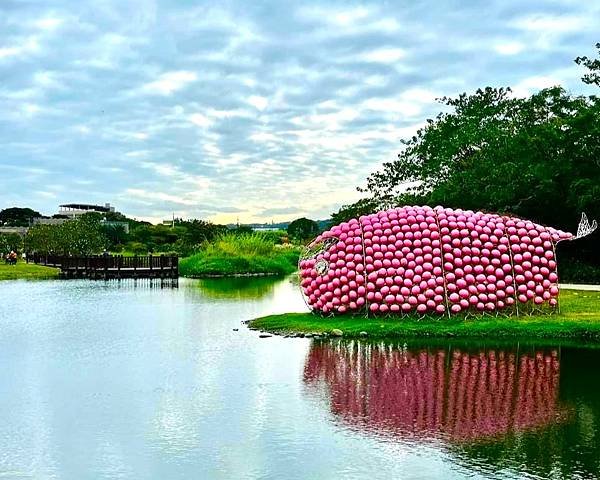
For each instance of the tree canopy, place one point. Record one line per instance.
(303, 229)
(17, 217)
(80, 236)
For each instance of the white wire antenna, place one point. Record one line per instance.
(585, 228)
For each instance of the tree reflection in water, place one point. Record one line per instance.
(451, 394)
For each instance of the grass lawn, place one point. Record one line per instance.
(24, 270)
(579, 319)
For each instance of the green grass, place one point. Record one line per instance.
(579, 319)
(23, 270)
(240, 255)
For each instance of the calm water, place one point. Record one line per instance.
(108, 380)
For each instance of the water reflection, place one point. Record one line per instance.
(236, 288)
(449, 394)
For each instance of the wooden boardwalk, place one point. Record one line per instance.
(109, 266)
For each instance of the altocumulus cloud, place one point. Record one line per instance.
(257, 110)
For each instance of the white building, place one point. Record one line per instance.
(75, 209)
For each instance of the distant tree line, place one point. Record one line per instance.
(536, 157)
(92, 233)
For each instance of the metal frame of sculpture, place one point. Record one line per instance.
(427, 260)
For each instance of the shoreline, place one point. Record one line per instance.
(579, 320)
(233, 275)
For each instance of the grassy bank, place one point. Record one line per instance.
(24, 270)
(579, 319)
(244, 254)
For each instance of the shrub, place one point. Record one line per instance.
(247, 253)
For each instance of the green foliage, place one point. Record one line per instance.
(135, 248)
(534, 157)
(303, 229)
(242, 230)
(184, 237)
(17, 217)
(10, 242)
(577, 271)
(277, 237)
(232, 254)
(115, 235)
(593, 65)
(81, 236)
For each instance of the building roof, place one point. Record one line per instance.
(85, 206)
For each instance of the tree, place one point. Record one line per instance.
(593, 65)
(80, 236)
(303, 229)
(10, 242)
(115, 234)
(18, 217)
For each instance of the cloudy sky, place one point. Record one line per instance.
(251, 110)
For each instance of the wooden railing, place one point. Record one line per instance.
(111, 266)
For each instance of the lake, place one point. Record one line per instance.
(143, 381)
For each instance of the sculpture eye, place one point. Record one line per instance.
(321, 267)
(314, 249)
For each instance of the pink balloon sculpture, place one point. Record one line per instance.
(426, 260)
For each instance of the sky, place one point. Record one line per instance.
(257, 111)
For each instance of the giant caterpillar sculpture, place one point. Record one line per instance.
(426, 260)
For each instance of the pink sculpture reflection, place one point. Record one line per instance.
(457, 396)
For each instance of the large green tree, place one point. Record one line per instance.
(536, 157)
(18, 217)
(10, 242)
(81, 236)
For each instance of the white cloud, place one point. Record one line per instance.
(384, 55)
(26, 46)
(532, 84)
(509, 48)
(258, 102)
(552, 23)
(170, 82)
(263, 137)
(200, 120)
(48, 23)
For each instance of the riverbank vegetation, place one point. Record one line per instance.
(535, 157)
(26, 271)
(579, 319)
(241, 254)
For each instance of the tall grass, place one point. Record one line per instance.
(232, 254)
